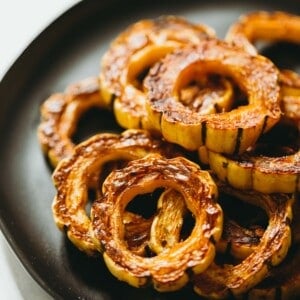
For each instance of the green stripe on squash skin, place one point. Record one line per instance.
(238, 140)
(113, 97)
(250, 174)
(203, 133)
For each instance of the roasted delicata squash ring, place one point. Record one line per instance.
(262, 173)
(60, 114)
(259, 168)
(265, 26)
(132, 53)
(73, 175)
(272, 27)
(228, 132)
(221, 280)
(168, 269)
(283, 281)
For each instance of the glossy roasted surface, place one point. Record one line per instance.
(60, 115)
(82, 171)
(132, 53)
(55, 59)
(167, 270)
(237, 129)
(225, 279)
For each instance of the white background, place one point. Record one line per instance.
(20, 22)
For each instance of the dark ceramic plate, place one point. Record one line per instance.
(69, 50)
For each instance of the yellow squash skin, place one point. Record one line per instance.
(237, 241)
(258, 173)
(271, 166)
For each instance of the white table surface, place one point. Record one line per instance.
(20, 22)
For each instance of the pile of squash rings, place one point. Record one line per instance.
(200, 116)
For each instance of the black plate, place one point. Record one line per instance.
(69, 50)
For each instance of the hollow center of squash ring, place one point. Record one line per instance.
(93, 121)
(207, 94)
(277, 52)
(144, 204)
(245, 214)
(205, 91)
(175, 222)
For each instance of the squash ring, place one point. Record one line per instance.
(219, 281)
(266, 26)
(262, 173)
(272, 26)
(284, 279)
(167, 269)
(134, 51)
(73, 176)
(228, 132)
(60, 114)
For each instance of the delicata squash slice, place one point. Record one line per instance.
(272, 27)
(226, 132)
(260, 170)
(60, 114)
(134, 51)
(264, 26)
(283, 281)
(271, 165)
(168, 269)
(74, 176)
(220, 280)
